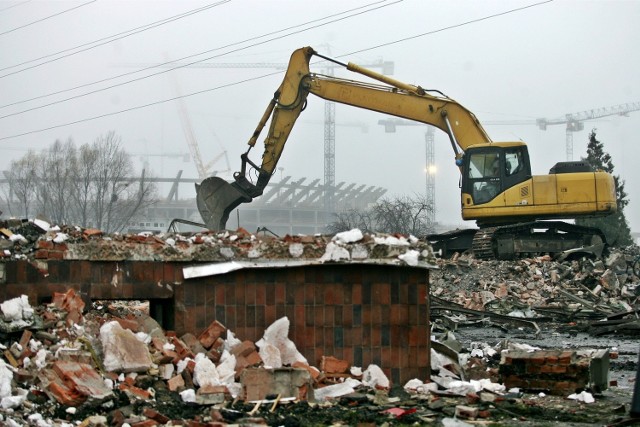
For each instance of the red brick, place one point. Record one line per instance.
(331, 365)
(155, 415)
(134, 391)
(243, 349)
(44, 244)
(56, 254)
(42, 254)
(214, 331)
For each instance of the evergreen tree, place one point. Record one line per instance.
(614, 226)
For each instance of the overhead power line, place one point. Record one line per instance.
(359, 12)
(265, 75)
(47, 17)
(110, 39)
(15, 5)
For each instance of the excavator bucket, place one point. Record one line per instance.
(216, 198)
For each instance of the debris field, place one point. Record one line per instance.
(518, 342)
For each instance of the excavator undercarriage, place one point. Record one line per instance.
(521, 239)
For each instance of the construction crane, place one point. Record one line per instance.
(574, 121)
(430, 164)
(144, 157)
(204, 170)
(329, 110)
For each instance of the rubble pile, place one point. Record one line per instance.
(601, 296)
(114, 365)
(38, 241)
(69, 363)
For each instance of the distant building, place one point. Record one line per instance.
(284, 208)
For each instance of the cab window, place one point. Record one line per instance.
(484, 174)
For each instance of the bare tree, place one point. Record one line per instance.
(403, 215)
(115, 200)
(91, 186)
(350, 219)
(55, 180)
(82, 193)
(22, 179)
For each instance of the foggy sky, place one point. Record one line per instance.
(547, 60)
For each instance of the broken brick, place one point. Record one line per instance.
(214, 331)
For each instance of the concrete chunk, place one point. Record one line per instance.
(123, 352)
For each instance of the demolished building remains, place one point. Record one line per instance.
(231, 328)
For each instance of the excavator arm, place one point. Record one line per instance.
(216, 198)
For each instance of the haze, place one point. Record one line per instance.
(507, 61)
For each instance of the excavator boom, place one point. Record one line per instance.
(216, 198)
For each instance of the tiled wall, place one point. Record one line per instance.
(361, 313)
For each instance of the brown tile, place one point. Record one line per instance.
(168, 272)
(366, 357)
(250, 293)
(338, 293)
(309, 293)
(376, 357)
(309, 315)
(300, 316)
(403, 357)
(240, 316)
(376, 315)
(229, 293)
(356, 336)
(318, 316)
(261, 321)
(290, 293)
(422, 294)
(376, 336)
(366, 315)
(347, 292)
(423, 357)
(366, 338)
(319, 293)
(337, 315)
(347, 354)
(347, 315)
(329, 316)
(158, 272)
(240, 297)
(231, 317)
(299, 294)
(280, 291)
(220, 294)
(356, 293)
(251, 316)
(269, 315)
(385, 357)
(261, 294)
(318, 337)
(329, 294)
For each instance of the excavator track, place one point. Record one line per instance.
(536, 238)
(482, 244)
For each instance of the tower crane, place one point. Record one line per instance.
(204, 170)
(430, 163)
(574, 121)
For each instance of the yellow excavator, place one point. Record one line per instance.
(516, 212)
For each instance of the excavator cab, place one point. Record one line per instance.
(490, 169)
